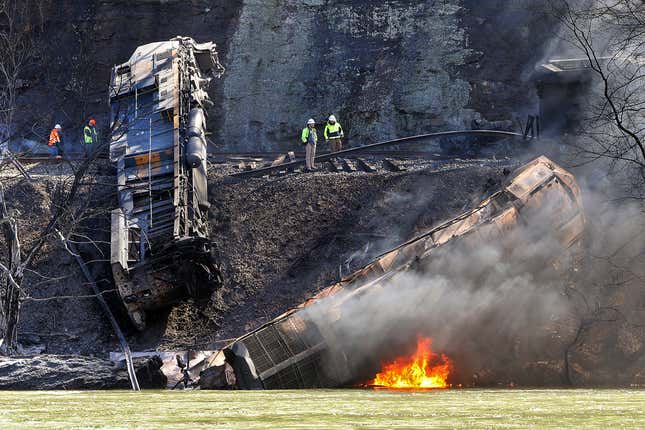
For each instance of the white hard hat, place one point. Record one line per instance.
(57, 127)
(332, 118)
(311, 121)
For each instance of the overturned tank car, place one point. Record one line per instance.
(160, 245)
(296, 351)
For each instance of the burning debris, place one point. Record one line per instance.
(423, 369)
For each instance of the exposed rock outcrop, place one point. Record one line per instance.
(60, 372)
(387, 68)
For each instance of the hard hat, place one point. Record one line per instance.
(92, 121)
(58, 127)
(332, 118)
(311, 121)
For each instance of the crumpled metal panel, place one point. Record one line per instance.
(528, 180)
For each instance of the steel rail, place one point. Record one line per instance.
(324, 157)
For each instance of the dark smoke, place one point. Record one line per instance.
(525, 310)
(505, 312)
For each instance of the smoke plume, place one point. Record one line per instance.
(505, 312)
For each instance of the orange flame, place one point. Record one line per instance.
(423, 369)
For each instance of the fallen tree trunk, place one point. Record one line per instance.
(10, 280)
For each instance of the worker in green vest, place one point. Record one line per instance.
(89, 133)
(309, 138)
(334, 134)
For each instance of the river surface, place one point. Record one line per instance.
(325, 409)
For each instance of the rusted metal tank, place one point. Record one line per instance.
(161, 250)
(292, 351)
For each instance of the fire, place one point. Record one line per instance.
(423, 369)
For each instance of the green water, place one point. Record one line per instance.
(326, 409)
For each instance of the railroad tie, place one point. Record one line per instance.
(365, 165)
(337, 167)
(280, 160)
(394, 165)
(351, 166)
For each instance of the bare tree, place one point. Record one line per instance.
(71, 208)
(10, 279)
(611, 35)
(17, 50)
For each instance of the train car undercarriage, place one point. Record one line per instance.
(161, 249)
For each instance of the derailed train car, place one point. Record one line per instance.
(293, 351)
(161, 250)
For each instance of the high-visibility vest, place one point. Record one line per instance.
(333, 131)
(89, 134)
(54, 137)
(305, 135)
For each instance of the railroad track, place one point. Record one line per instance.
(249, 163)
(375, 157)
(253, 168)
(31, 159)
(366, 164)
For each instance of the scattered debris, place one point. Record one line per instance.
(180, 369)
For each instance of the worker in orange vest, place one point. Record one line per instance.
(54, 140)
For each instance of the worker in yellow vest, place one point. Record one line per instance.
(334, 134)
(89, 133)
(90, 137)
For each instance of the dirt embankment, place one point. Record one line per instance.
(281, 239)
(59, 314)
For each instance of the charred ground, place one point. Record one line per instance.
(281, 239)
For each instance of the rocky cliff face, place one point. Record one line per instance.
(387, 68)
